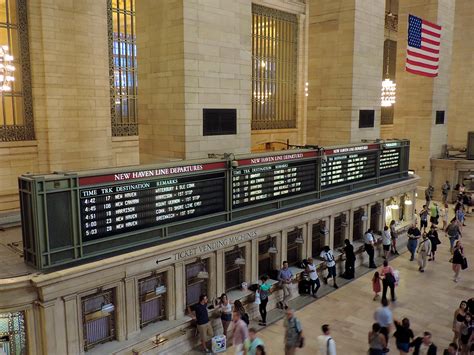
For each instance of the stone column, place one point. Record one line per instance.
(330, 242)
(419, 97)
(350, 221)
(220, 275)
(131, 298)
(253, 257)
(284, 245)
(309, 239)
(345, 50)
(52, 328)
(72, 323)
(462, 76)
(200, 59)
(179, 285)
(69, 56)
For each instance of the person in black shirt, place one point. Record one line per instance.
(349, 265)
(413, 235)
(404, 335)
(200, 314)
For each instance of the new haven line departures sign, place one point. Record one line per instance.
(73, 216)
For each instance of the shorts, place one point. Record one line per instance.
(424, 223)
(205, 331)
(226, 317)
(386, 247)
(332, 271)
(403, 346)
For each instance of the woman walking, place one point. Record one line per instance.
(465, 334)
(404, 336)
(459, 317)
(434, 239)
(264, 290)
(388, 280)
(377, 342)
(386, 241)
(394, 235)
(458, 259)
(225, 307)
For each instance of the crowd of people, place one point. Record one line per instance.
(422, 245)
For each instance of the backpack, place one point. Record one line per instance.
(245, 318)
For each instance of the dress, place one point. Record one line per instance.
(376, 285)
(458, 258)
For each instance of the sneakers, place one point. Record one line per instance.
(336, 286)
(263, 324)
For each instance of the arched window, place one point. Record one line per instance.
(123, 65)
(16, 110)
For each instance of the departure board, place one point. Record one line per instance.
(111, 210)
(390, 161)
(346, 165)
(260, 183)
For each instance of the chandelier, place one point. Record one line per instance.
(6, 69)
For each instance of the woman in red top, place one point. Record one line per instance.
(388, 280)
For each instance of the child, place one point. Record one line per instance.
(376, 285)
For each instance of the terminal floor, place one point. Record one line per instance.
(428, 299)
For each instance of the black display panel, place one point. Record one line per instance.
(347, 168)
(390, 161)
(107, 211)
(256, 184)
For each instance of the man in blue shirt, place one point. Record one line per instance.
(200, 314)
(285, 277)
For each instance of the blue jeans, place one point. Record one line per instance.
(411, 245)
(452, 240)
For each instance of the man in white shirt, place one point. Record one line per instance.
(424, 250)
(328, 258)
(383, 316)
(327, 345)
(313, 277)
(369, 242)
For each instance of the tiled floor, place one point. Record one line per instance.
(427, 299)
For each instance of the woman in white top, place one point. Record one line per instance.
(225, 307)
(386, 241)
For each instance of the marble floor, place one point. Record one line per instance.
(428, 299)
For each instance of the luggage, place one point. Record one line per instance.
(219, 344)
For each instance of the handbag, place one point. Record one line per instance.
(464, 263)
(257, 298)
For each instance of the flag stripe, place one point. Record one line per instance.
(419, 68)
(431, 33)
(421, 60)
(418, 72)
(421, 64)
(412, 53)
(431, 24)
(430, 41)
(431, 50)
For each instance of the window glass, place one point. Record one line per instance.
(274, 68)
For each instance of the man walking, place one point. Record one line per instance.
(240, 333)
(369, 242)
(445, 190)
(424, 213)
(383, 316)
(429, 194)
(328, 258)
(413, 235)
(285, 277)
(424, 250)
(200, 314)
(293, 332)
(313, 277)
(252, 342)
(454, 233)
(423, 345)
(327, 345)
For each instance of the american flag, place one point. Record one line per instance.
(423, 47)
